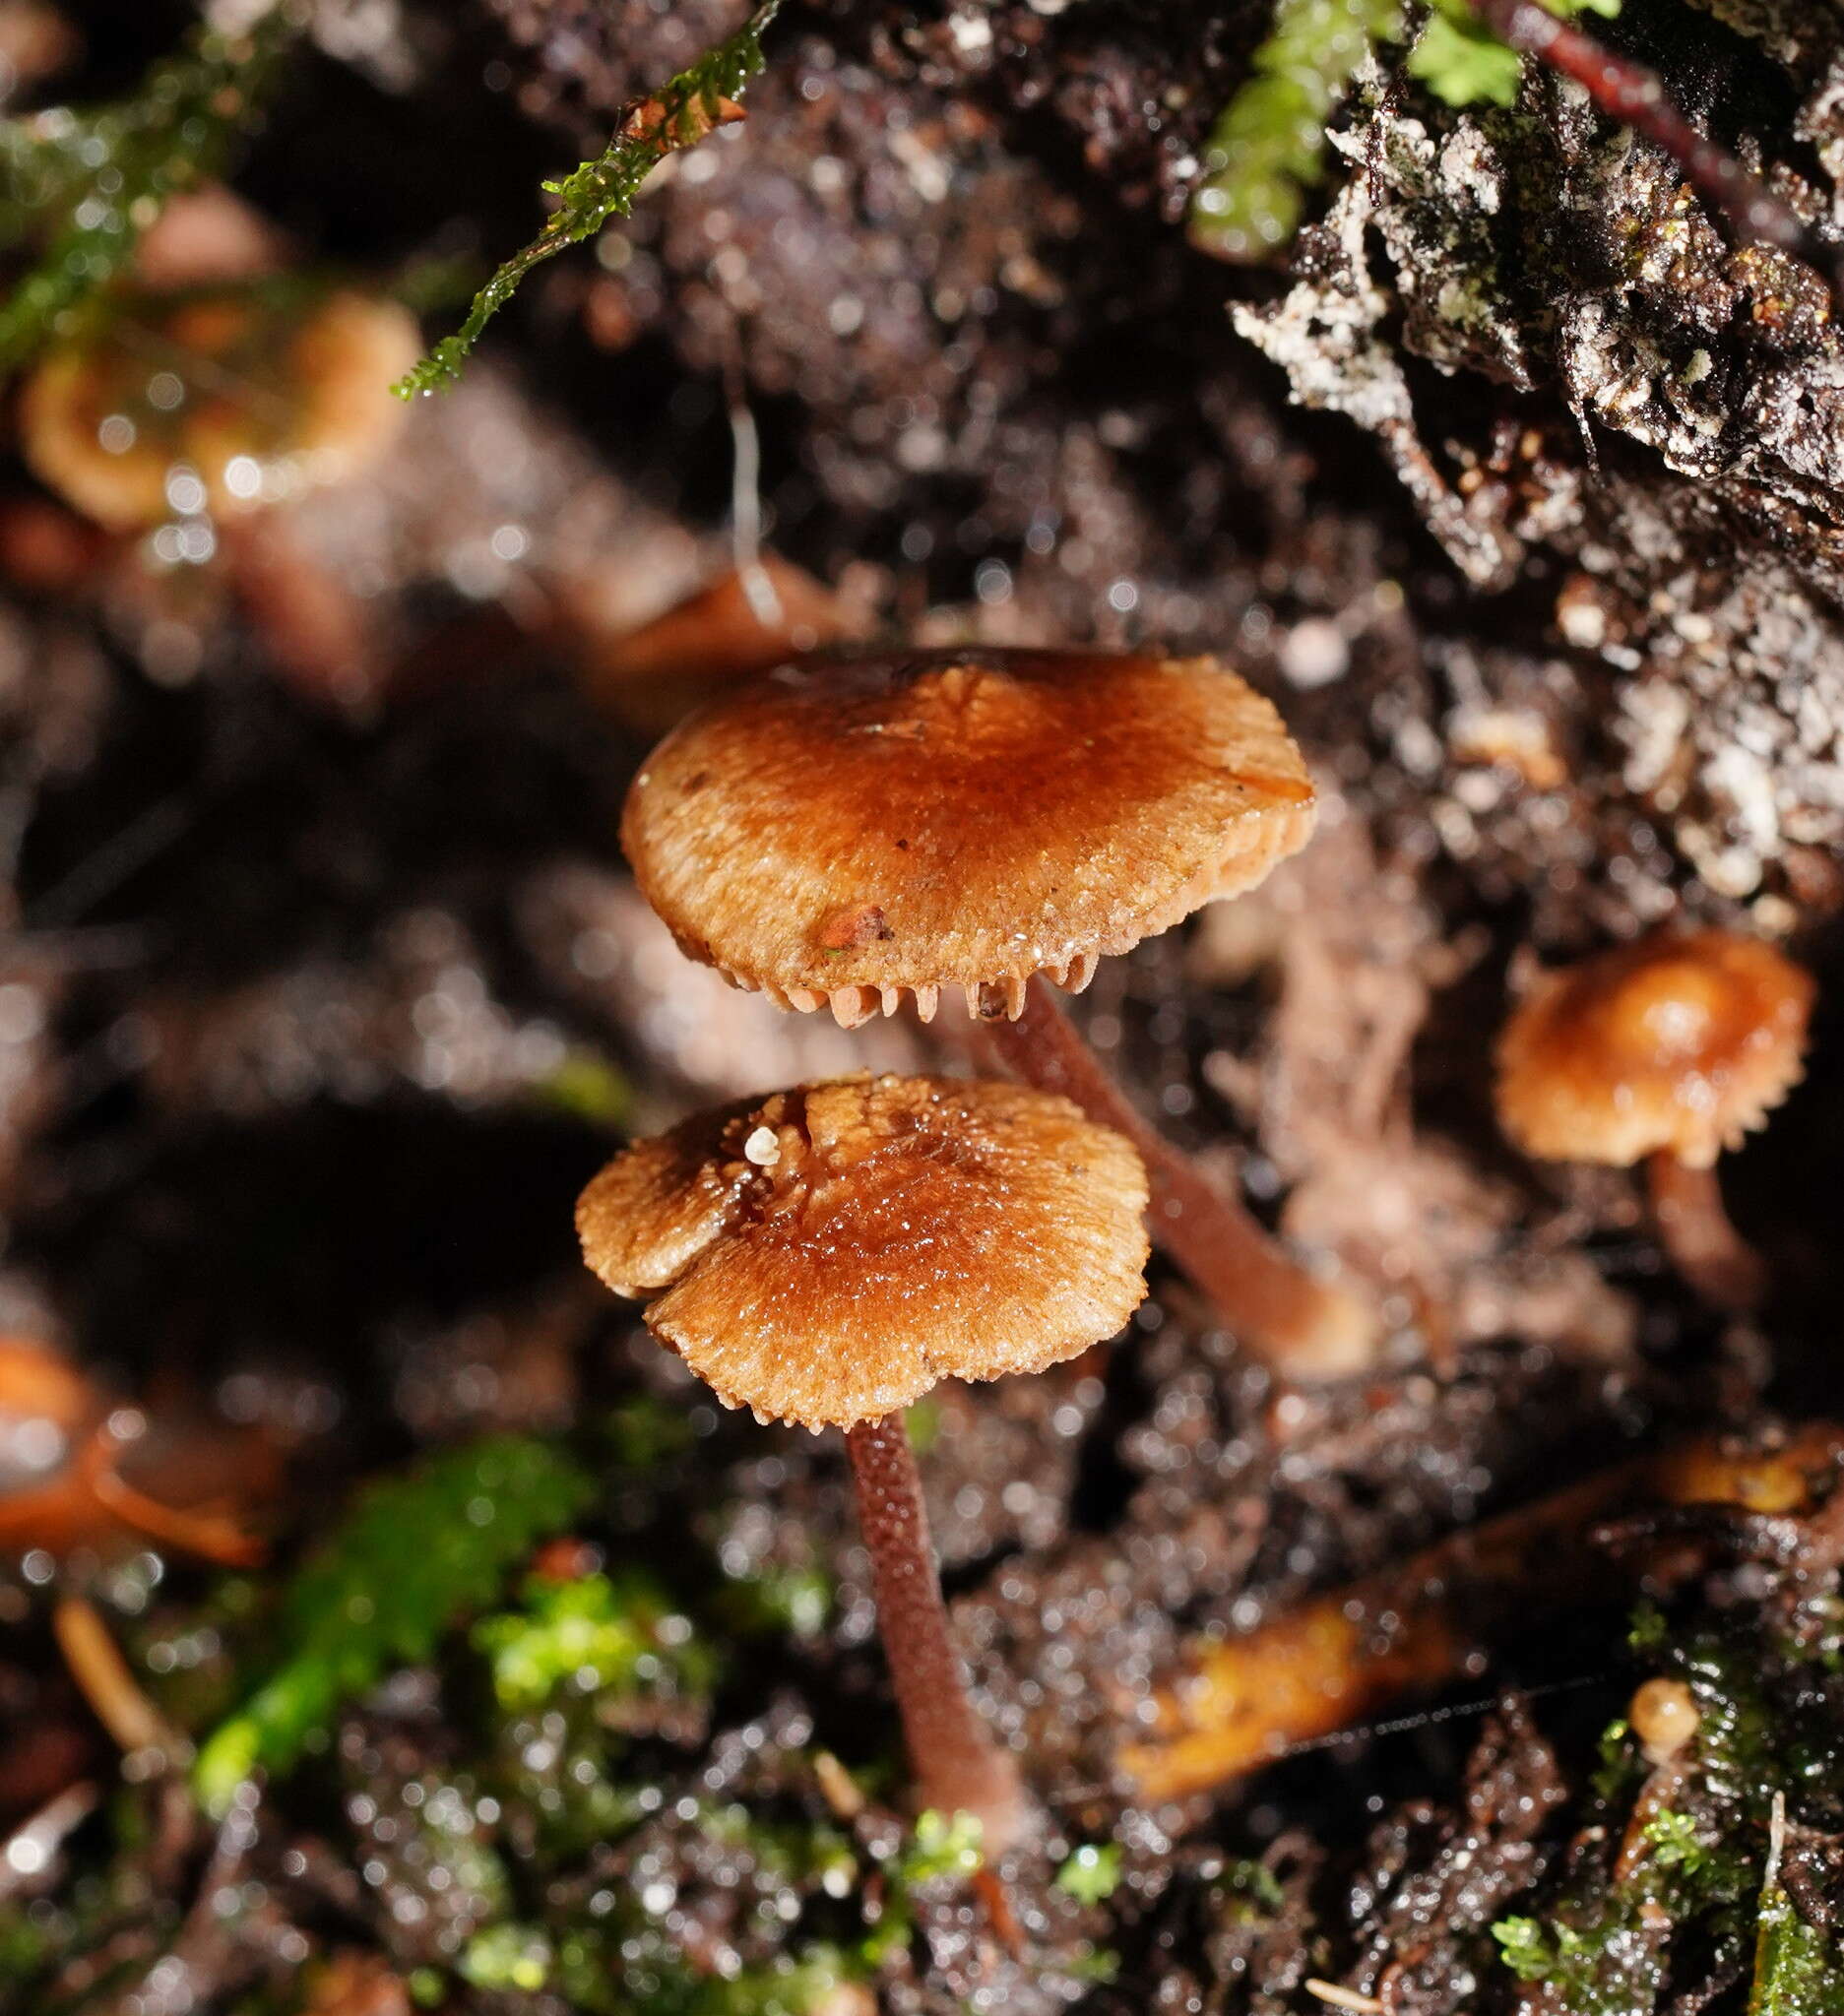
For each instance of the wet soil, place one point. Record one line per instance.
(1519, 492)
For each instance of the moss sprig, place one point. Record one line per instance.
(677, 115)
(86, 184)
(1268, 148)
(414, 1553)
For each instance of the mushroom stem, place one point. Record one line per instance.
(958, 1766)
(1305, 1328)
(1696, 1230)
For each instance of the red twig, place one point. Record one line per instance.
(1635, 96)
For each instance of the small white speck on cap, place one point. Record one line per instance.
(762, 1148)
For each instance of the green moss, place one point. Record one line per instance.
(83, 184)
(1604, 1944)
(677, 115)
(412, 1554)
(1797, 1970)
(943, 1845)
(597, 1635)
(778, 1603)
(1267, 150)
(1256, 1887)
(652, 1977)
(1092, 1875)
(586, 1087)
(1463, 64)
(507, 1959)
(644, 1432)
(1673, 1840)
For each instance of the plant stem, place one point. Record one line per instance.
(1696, 1230)
(958, 1766)
(1305, 1328)
(1635, 96)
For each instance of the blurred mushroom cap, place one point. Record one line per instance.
(737, 627)
(260, 397)
(826, 1255)
(851, 831)
(1680, 1042)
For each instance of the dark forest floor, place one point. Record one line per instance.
(324, 988)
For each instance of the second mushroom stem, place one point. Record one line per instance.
(1305, 1328)
(1695, 1229)
(958, 1766)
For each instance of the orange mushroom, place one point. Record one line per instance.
(744, 623)
(249, 395)
(209, 393)
(827, 1255)
(1668, 1050)
(854, 832)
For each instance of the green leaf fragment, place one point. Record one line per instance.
(1673, 1840)
(1797, 1970)
(1463, 65)
(1092, 1875)
(1523, 1947)
(677, 115)
(412, 1554)
(943, 1845)
(507, 1959)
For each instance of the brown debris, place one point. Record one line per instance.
(1244, 1701)
(189, 1488)
(826, 1255)
(1005, 812)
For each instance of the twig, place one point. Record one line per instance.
(27, 1852)
(1635, 96)
(103, 1677)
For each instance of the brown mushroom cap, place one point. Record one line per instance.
(852, 831)
(1680, 1042)
(654, 676)
(828, 1255)
(304, 396)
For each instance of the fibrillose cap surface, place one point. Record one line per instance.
(852, 831)
(1680, 1044)
(826, 1255)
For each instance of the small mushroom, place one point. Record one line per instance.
(852, 833)
(214, 392)
(1668, 1050)
(260, 398)
(744, 623)
(826, 1255)
(1664, 1717)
